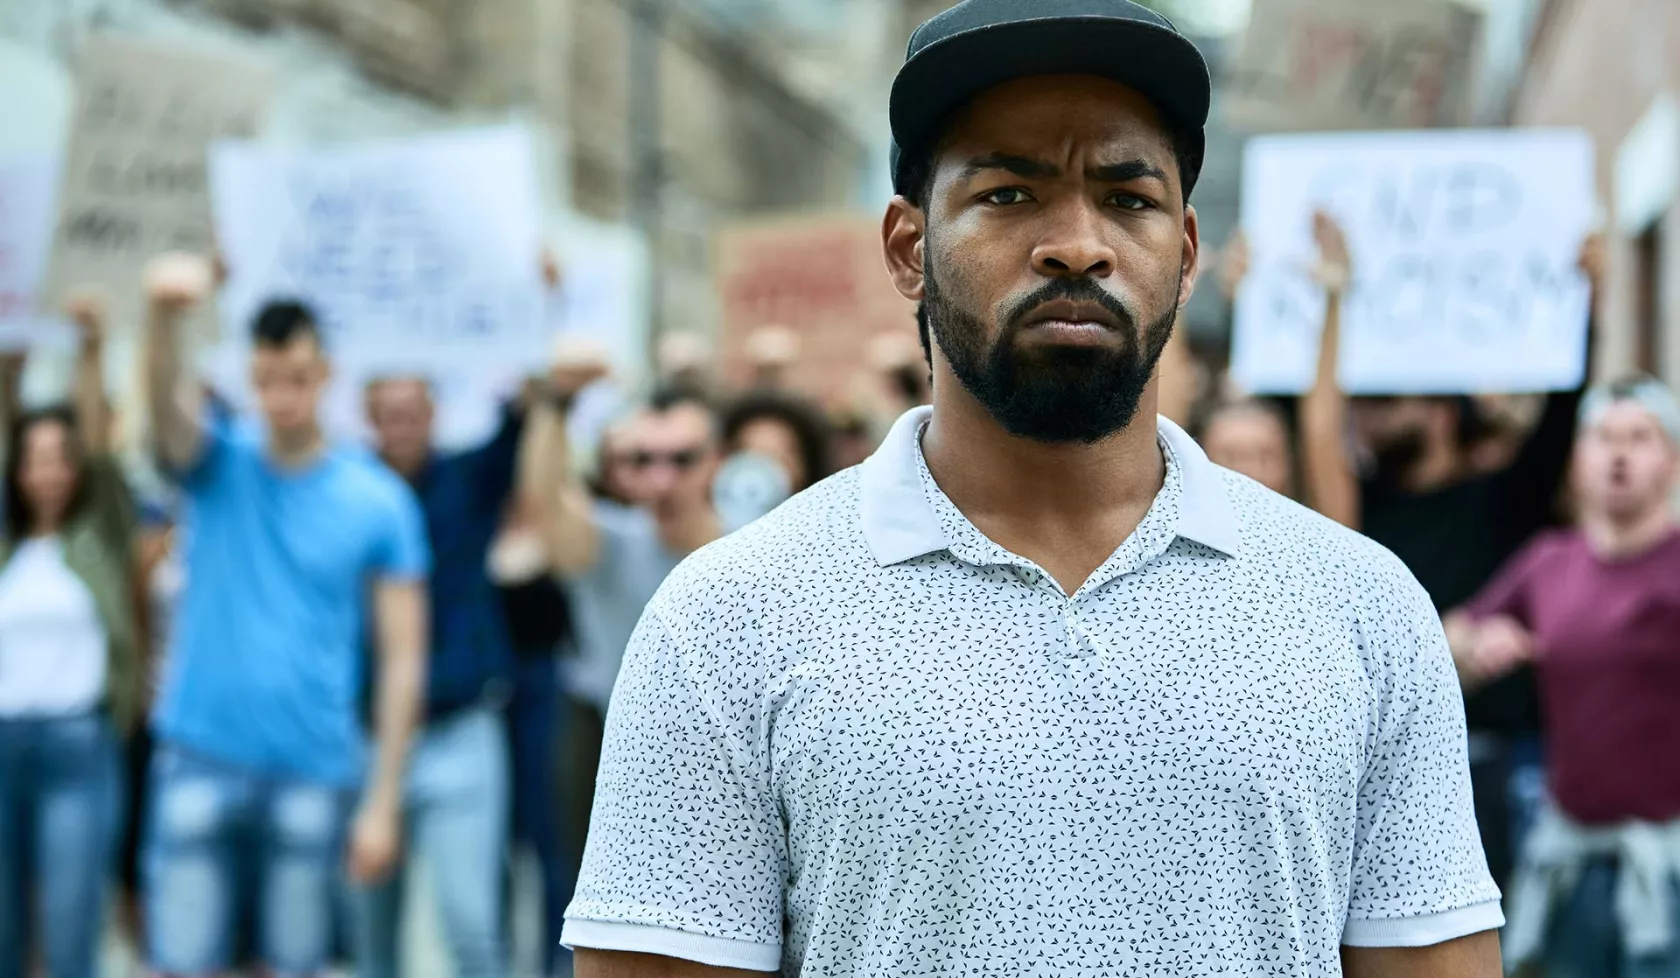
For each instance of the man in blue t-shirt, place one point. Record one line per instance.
(261, 760)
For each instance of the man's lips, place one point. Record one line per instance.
(1065, 313)
(1065, 322)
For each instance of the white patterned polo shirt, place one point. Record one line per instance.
(860, 738)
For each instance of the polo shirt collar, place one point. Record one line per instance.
(899, 524)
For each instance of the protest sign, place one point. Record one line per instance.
(1352, 64)
(420, 257)
(28, 193)
(134, 177)
(1464, 247)
(821, 277)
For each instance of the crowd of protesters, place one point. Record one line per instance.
(312, 662)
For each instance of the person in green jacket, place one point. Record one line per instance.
(70, 667)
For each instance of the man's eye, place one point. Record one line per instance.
(1129, 202)
(1006, 195)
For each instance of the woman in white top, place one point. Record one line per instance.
(70, 675)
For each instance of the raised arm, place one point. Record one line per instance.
(1535, 476)
(548, 484)
(174, 284)
(1331, 485)
(86, 308)
(12, 364)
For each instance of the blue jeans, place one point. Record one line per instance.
(1586, 940)
(456, 813)
(60, 798)
(224, 845)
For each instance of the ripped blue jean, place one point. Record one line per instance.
(225, 846)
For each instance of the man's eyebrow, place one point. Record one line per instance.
(1127, 172)
(1022, 166)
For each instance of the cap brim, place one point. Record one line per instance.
(1160, 64)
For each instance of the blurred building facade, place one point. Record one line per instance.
(1612, 67)
(663, 117)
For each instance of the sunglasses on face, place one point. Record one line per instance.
(682, 460)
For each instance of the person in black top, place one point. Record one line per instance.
(1427, 496)
(539, 625)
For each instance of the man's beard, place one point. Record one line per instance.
(1054, 395)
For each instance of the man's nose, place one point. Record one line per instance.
(1077, 243)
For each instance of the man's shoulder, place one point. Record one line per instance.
(360, 477)
(1284, 537)
(811, 536)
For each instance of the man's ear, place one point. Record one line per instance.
(1192, 262)
(903, 236)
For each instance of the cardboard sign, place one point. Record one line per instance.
(822, 277)
(420, 257)
(135, 176)
(28, 195)
(1464, 247)
(1351, 64)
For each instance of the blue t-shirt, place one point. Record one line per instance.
(266, 664)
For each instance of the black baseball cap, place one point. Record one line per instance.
(979, 44)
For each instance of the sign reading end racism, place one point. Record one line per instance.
(135, 180)
(1465, 247)
(1352, 64)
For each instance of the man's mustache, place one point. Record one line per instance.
(1070, 289)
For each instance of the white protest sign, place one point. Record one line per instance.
(1464, 245)
(1352, 64)
(420, 256)
(28, 197)
(134, 174)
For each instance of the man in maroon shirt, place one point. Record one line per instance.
(1597, 610)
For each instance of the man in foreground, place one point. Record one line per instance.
(1039, 689)
(260, 758)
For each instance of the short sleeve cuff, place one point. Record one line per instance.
(1435, 928)
(718, 952)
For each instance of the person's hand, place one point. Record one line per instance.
(682, 352)
(772, 347)
(176, 281)
(1594, 259)
(375, 842)
(577, 363)
(85, 307)
(1335, 267)
(1501, 644)
(1233, 264)
(550, 268)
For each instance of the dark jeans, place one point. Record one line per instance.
(1586, 939)
(538, 731)
(576, 787)
(60, 812)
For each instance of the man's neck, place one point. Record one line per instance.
(294, 450)
(1066, 507)
(409, 468)
(687, 531)
(1612, 539)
